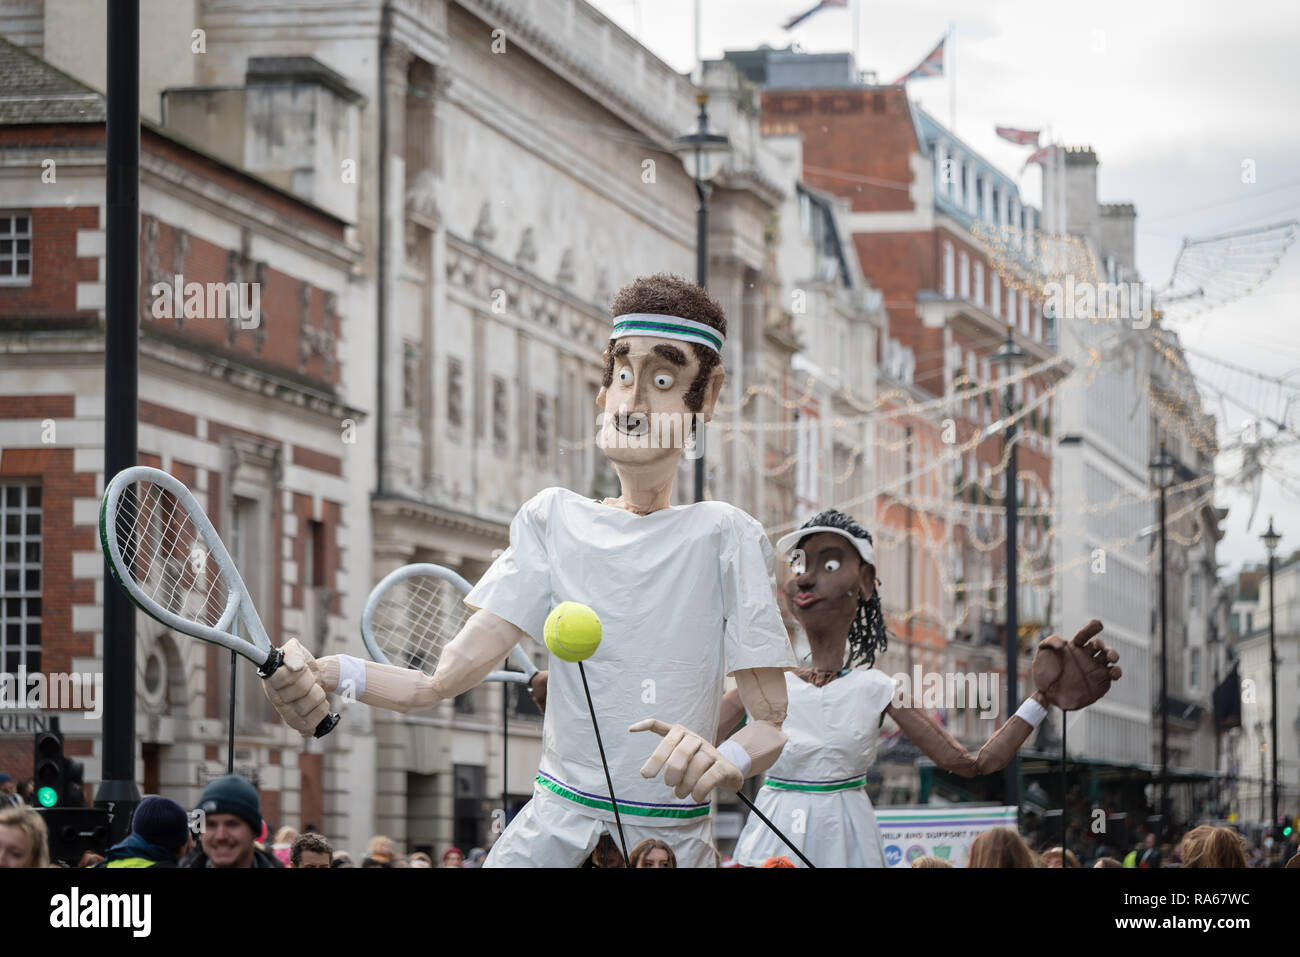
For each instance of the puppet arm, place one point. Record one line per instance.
(946, 751)
(693, 766)
(729, 715)
(298, 687)
(1069, 675)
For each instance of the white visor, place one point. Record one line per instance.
(787, 543)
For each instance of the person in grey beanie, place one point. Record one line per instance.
(230, 820)
(160, 836)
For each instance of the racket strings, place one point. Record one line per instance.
(415, 619)
(165, 555)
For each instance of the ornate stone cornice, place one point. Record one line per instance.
(577, 66)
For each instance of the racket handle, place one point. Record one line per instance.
(271, 664)
(327, 724)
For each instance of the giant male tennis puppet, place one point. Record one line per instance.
(685, 595)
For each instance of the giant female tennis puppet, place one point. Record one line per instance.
(835, 711)
(685, 595)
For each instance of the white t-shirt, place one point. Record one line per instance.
(685, 596)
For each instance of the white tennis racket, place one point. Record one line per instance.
(414, 612)
(164, 552)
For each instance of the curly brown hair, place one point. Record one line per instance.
(668, 295)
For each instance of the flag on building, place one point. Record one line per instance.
(1041, 156)
(932, 65)
(825, 4)
(1019, 137)
(1227, 702)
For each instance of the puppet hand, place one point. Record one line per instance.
(537, 688)
(691, 765)
(1073, 675)
(295, 690)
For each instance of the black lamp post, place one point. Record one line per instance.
(1011, 355)
(702, 153)
(1271, 538)
(1162, 476)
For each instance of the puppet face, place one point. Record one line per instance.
(827, 576)
(646, 422)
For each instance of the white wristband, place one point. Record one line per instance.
(1031, 712)
(352, 677)
(736, 755)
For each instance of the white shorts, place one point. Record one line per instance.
(553, 832)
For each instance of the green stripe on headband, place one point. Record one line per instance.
(666, 327)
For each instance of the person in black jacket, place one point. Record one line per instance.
(160, 836)
(231, 819)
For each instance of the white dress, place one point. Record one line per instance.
(815, 793)
(685, 596)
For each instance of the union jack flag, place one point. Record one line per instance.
(932, 65)
(1041, 157)
(1019, 137)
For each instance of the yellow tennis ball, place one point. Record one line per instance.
(572, 631)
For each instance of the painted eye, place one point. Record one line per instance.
(797, 561)
(625, 376)
(832, 564)
(663, 380)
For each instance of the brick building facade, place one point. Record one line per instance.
(243, 408)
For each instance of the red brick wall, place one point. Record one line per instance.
(311, 794)
(277, 339)
(864, 135)
(56, 270)
(52, 467)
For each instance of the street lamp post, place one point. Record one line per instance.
(1271, 538)
(1011, 355)
(702, 153)
(1162, 475)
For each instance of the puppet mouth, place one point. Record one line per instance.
(806, 599)
(632, 423)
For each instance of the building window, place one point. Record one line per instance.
(1194, 669)
(963, 274)
(949, 272)
(410, 374)
(455, 393)
(543, 427)
(16, 248)
(995, 300)
(500, 435)
(20, 577)
(979, 283)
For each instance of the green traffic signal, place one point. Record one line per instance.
(48, 797)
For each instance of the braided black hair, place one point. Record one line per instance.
(867, 633)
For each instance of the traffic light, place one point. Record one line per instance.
(59, 779)
(50, 767)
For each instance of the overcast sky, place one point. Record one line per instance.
(1172, 94)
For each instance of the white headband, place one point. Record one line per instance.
(666, 327)
(788, 542)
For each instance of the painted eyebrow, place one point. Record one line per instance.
(621, 349)
(671, 353)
